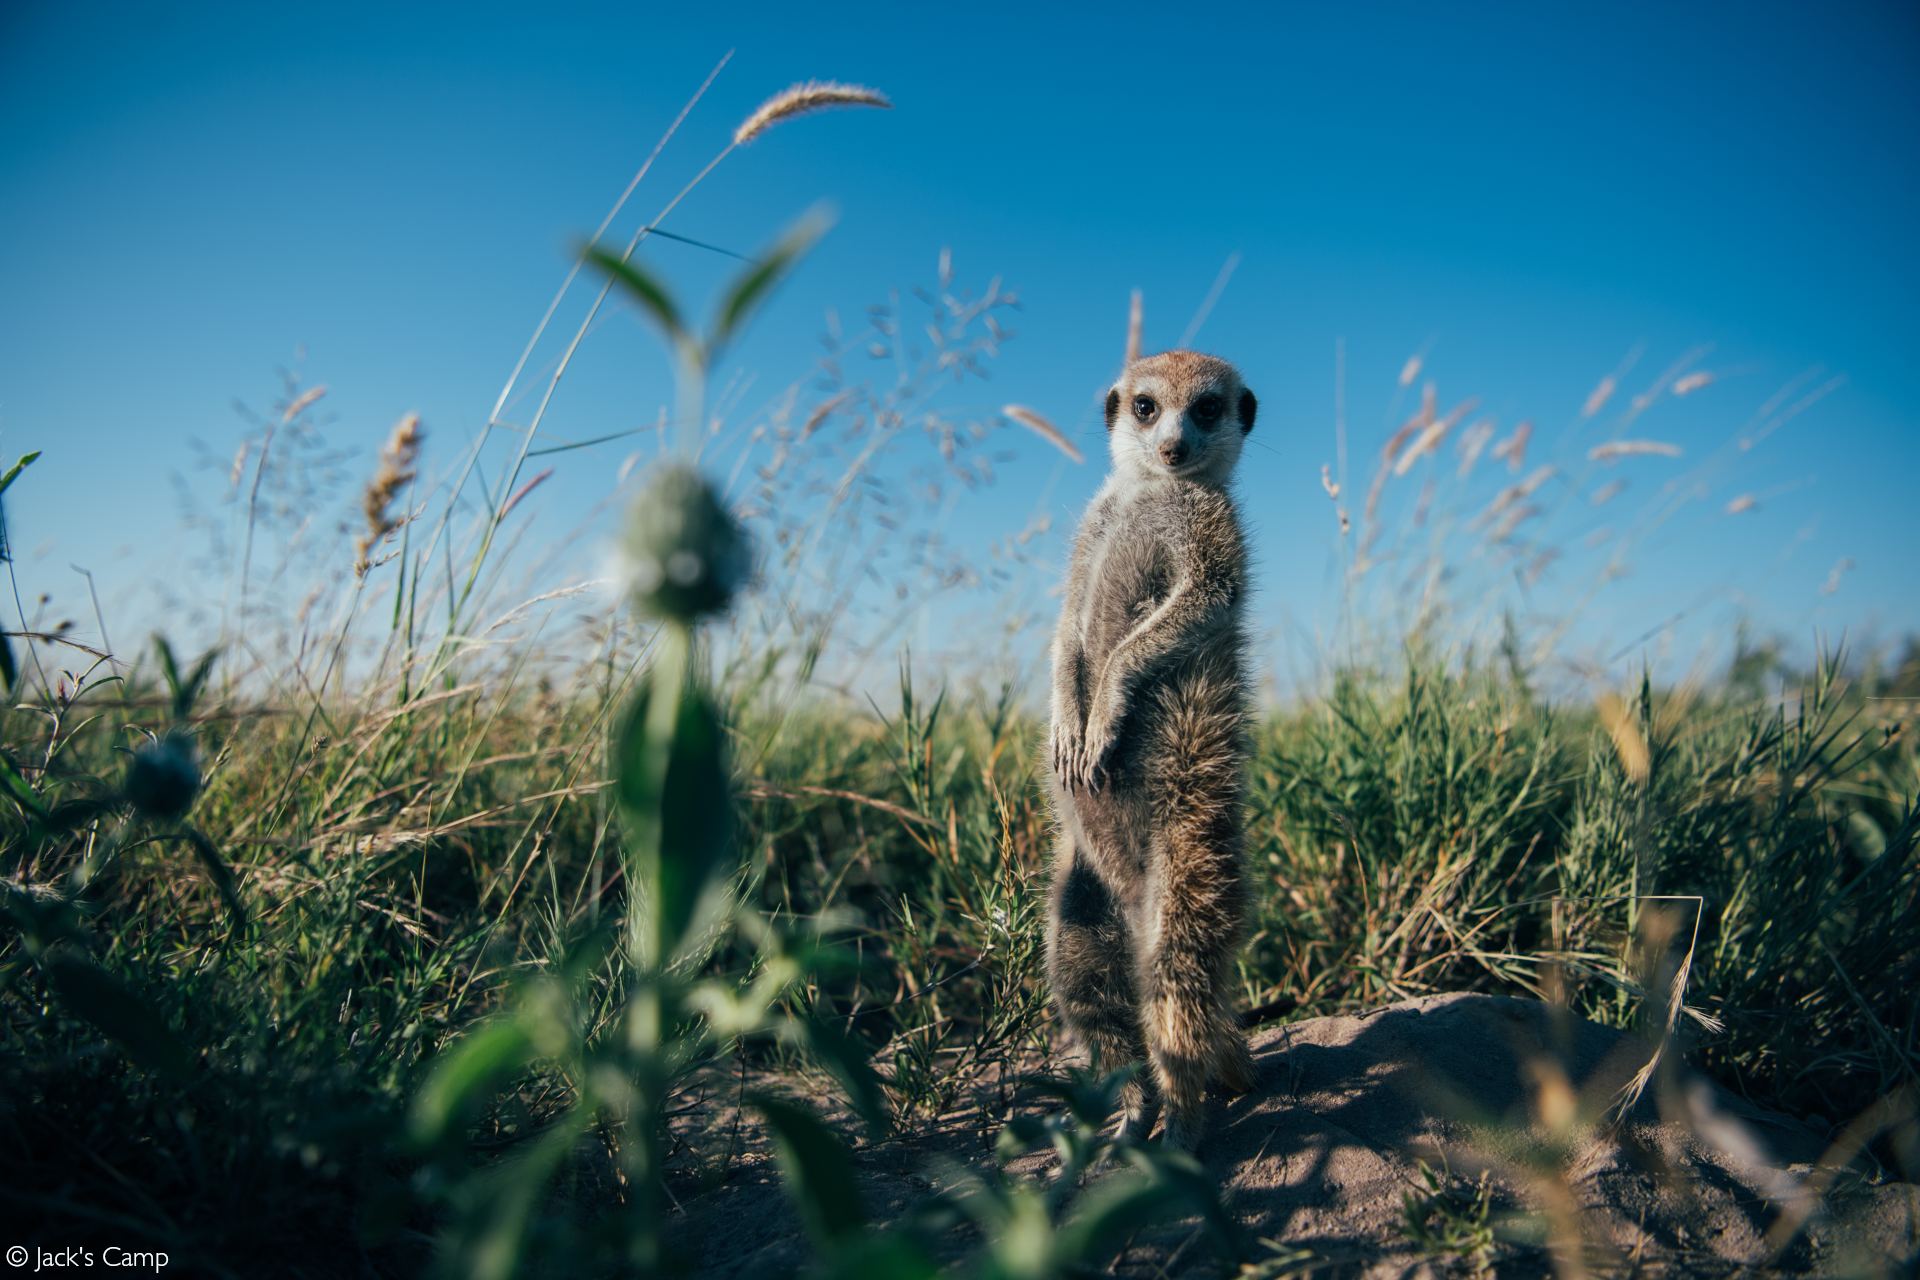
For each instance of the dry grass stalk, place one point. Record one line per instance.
(1631, 449)
(801, 99)
(1691, 383)
(1410, 370)
(1136, 319)
(1745, 502)
(1044, 429)
(1327, 481)
(1607, 492)
(398, 462)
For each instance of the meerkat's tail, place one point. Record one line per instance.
(1272, 1011)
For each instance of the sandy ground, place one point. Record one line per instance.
(1316, 1164)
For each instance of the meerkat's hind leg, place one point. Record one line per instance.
(1090, 968)
(1192, 1035)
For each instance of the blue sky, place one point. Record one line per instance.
(1522, 194)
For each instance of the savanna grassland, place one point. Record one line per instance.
(414, 911)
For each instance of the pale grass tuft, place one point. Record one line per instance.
(1044, 429)
(1691, 383)
(1607, 492)
(1327, 481)
(398, 462)
(813, 95)
(1745, 502)
(1410, 370)
(1616, 449)
(1136, 318)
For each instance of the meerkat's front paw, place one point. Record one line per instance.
(1064, 749)
(1096, 754)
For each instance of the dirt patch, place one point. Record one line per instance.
(1320, 1160)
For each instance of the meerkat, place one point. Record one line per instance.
(1149, 744)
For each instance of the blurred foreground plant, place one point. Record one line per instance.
(687, 558)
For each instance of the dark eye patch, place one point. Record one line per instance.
(1207, 409)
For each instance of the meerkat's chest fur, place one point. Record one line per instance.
(1137, 545)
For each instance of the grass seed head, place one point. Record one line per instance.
(813, 95)
(399, 461)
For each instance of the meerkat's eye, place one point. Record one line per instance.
(1207, 410)
(1144, 408)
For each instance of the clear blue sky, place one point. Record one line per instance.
(1522, 193)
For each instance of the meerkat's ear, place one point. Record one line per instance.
(1247, 406)
(1113, 406)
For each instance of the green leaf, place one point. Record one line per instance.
(643, 288)
(185, 690)
(1110, 1212)
(816, 1169)
(892, 1255)
(221, 875)
(493, 1237)
(846, 1060)
(756, 283)
(687, 813)
(115, 1009)
(465, 1074)
(18, 788)
(13, 472)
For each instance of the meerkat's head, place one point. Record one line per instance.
(1178, 415)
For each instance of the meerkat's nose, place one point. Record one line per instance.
(1173, 452)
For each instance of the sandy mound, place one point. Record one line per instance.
(1320, 1159)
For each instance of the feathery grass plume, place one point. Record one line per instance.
(1598, 397)
(1327, 481)
(1410, 370)
(1632, 449)
(801, 99)
(1839, 571)
(1136, 319)
(1434, 433)
(1473, 442)
(1607, 492)
(1518, 492)
(1514, 447)
(1046, 430)
(398, 462)
(1691, 383)
(303, 402)
(1745, 502)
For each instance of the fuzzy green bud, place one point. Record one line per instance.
(686, 556)
(164, 777)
